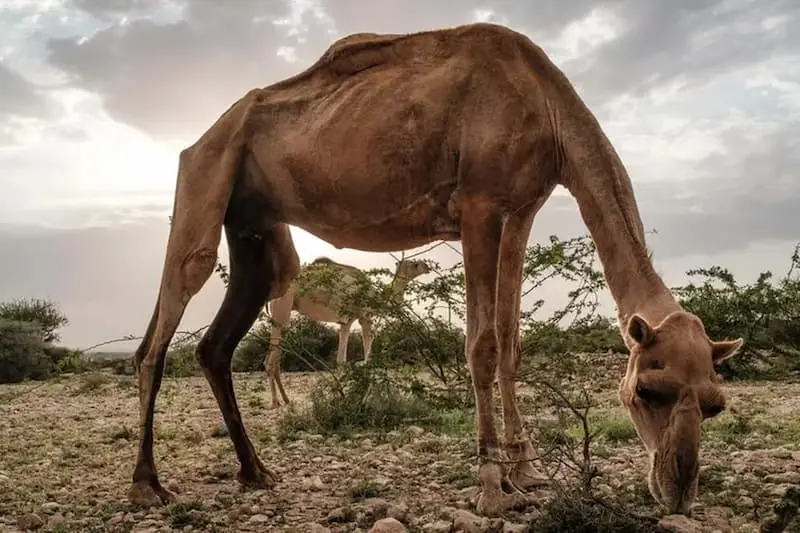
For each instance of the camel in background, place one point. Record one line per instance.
(327, 291)
(389, 142)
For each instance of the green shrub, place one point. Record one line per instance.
(568, 512)
(66, 360)
(252, 350)
(307, 345)
(766, 314)
(22, 352)
(44, 313)
(181, 361)
(368, 397)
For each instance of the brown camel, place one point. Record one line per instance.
(389, 142)
(328, 291)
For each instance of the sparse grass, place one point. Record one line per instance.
(364, 398)
(183, 514)
(462, 476)
(92, 382)
(122, 433)
(364, 490)
(569, 513)
(219, 432)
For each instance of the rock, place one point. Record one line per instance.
(313, 527)
(388, 525)
(398, 511)
(415, 430)
(30, 521)
(50, 507)
(508, 527)
(341, 515)
(258, 519)
(468, 522)
(440, 526)
(680, 524)
(376, 508)
(382, 481)
(784, 477)
(313, 483)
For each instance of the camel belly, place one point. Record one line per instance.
(317, 311)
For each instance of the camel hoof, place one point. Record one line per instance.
(524, 477)
(146, 495)
(494, 502)
(260, 478)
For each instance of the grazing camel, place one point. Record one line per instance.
(388, 142)
(328, 291)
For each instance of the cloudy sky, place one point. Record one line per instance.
(700, 97)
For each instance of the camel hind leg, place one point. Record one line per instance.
(251, 277)
(280, 312)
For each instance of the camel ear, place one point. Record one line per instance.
(721, 350)
(641, 331)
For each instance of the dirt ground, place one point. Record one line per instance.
(67, 449)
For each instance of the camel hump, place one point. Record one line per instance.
(359, 51)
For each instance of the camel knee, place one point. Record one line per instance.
(197, 268)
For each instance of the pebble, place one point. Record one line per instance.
(30, 521)
(388, 525)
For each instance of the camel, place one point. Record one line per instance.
(328, 291)
(391, 141)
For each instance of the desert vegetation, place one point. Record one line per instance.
(392, 440)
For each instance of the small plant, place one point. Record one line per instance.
(122, 433)
(181, 361)
(363, 491)
(92, 382)
(368, 397)
(22, 352)
(183, 514)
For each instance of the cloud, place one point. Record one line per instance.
(172, 79)
(20, 97)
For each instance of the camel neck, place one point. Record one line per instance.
(399, 285)
(598, 181)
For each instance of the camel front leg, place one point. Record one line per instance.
(187, 267)
(367, 336)
(344, 337)
(280, 311)
(519, 447)
(480, 234)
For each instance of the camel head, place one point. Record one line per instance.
(670, 387)
(408, 269)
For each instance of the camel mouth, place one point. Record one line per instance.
(675, 492)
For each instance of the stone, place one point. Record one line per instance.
(680, 524)
(468, 522)
(398, 511)
(50, 507)
(388, 525)
(440, 526)
(258, 519)
(792, 478)
(340, 515)
(313, 527)
(30, 521)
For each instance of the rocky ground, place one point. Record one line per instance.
(67, 449)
